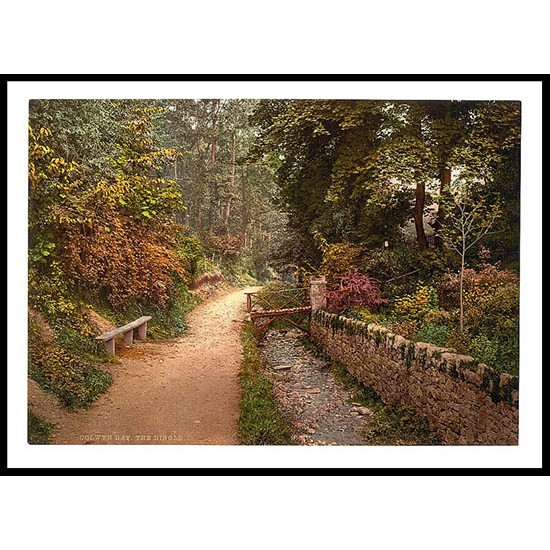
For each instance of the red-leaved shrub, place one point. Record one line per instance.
(355, 289)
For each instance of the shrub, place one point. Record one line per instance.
(191, 252)
(75, 382)
(479, 286)
(385, 264)
(362, 314)
(439, 317)
(484, 349)
(460, 341)
(38, 429)
(394, 262)
(339, 259)
(434, 334)
(50, 294)
(407, 329)
(415, 306)
(355, 289)
(491, 315)
(124, 260)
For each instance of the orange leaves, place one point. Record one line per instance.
(124, 260)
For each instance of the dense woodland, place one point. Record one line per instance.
(409, 208)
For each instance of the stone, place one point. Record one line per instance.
(282, 367)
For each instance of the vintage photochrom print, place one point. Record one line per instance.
(305, 272)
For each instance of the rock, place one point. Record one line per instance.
(282, 367)
(310, 431)
(364, 411)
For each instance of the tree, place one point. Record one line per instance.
(320, 150)
(468, 221)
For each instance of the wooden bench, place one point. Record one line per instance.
(108, 338)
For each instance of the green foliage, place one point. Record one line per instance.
(260, 421)
(415, 306)
(484, 349)
(236, 274)
(170, 321)
(82, 345)
(394, 425)
(191, 252)
(50, 294)
(38, 429)
(437, 335)
(365, 315)
(491, 314)
(400, 260)
(40, 252)
(75, 382)
(339, 259)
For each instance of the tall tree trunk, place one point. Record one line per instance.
(461, 297)
(214, 201)
(213, 147)
(227, 211)
(199, 218)
(420, 193)
(444, 189)
(420, 199)
(231, 179)
(244, 215)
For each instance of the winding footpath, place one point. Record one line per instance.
(183, 391)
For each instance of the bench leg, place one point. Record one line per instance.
(129, 337)
(142, 331)
(110, 346)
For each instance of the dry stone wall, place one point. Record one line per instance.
(464, 401)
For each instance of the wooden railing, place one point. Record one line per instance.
(277, 300)
(265, 307)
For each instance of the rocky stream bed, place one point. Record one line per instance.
(322, 409)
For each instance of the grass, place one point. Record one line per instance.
(38, 429)
(389, 424)
(260, 420)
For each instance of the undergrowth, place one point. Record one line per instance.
(166, 322)
(389, 424)
(38, 429)
(260, 421)
(73, 380)
(84, 347)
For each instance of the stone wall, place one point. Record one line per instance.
(464, 401)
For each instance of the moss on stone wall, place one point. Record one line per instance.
(456, 393)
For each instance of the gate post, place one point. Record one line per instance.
(317, 293)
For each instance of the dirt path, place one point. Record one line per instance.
(183, 391)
